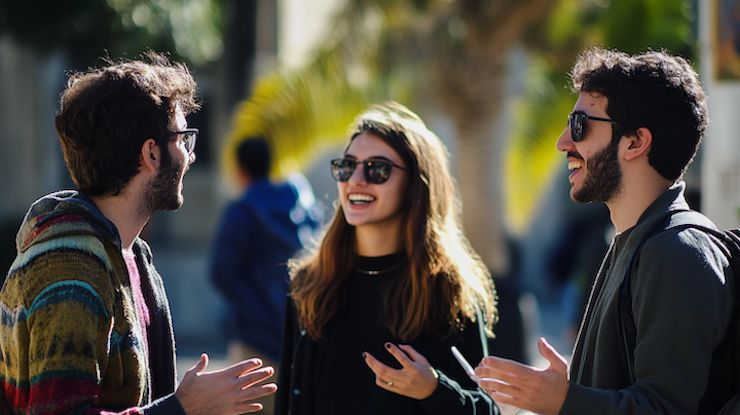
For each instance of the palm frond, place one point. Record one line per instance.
(531, 156)
(302, 112)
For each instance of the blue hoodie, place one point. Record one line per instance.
(258, 233)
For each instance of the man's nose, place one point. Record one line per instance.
(565, 141)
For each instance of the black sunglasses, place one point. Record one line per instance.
(575, 122)
(376, 171)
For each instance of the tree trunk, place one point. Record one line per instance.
(474, 92)
(471, 88)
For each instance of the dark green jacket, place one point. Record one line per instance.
(682, 307)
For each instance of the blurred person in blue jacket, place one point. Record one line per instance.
(257, 235)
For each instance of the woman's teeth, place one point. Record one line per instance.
(360, 198)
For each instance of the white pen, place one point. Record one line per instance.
(464, 363)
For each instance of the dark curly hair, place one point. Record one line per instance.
(107, 114)
(653, 90)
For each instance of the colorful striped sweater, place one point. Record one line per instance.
(70, 338)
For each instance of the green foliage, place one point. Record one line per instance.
(303, 112)
(634, 26)
(531, 159)
(296, 120)
(87, 29)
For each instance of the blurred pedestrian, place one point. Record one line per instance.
(86, 325)
(258, 233)
(393, 285)
(634, 130)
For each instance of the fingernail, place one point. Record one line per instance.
(364, 355)
(387, 345)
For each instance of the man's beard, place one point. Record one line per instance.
(604, 179)
(163, 193)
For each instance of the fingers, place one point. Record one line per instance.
(201, 364)
(557, 361)
(377, 366)
(400, 355)
(256, 376)
(228, 391)
(501, 375)
(492, 366)
(385, 376)
(496, 385)
(245, 366)
(255, 392)
(251, 407)
(413, 354)
(541, 391)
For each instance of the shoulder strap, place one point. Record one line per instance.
(626, 318)
(725, 367)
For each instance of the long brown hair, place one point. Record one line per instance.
(443, 280)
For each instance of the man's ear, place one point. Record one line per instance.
(639, 143)
(150, 155)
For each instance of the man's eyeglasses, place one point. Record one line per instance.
(189, 136)
(376, 171)
(575, 122)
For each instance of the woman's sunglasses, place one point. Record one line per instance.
(376, 171)
(575, 122)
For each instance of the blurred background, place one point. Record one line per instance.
(488, 76)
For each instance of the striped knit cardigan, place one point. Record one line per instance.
(69, 332)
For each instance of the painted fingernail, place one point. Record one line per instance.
(387, 345)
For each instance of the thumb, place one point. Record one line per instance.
(201, 365)
(556, 360)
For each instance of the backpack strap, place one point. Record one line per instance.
(677, 219)
(626, 318)
(725, 367)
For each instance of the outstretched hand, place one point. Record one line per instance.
(541, 391)
(224, 392)
(416, 379)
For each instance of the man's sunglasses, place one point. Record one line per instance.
(575, 122)
(189, 136)
(376, 171)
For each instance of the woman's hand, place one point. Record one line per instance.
(416, 379)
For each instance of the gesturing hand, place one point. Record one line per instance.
(224, 392)
(541, 391)
(416, 379)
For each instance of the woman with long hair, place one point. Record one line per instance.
(375, 308)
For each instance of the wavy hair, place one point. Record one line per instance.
(107, 114)
(444, 280)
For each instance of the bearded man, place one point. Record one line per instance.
(86, 325)
(634, 131)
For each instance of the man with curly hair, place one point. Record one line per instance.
(86, 325)
(634, 130)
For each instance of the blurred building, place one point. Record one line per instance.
(719, 36)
